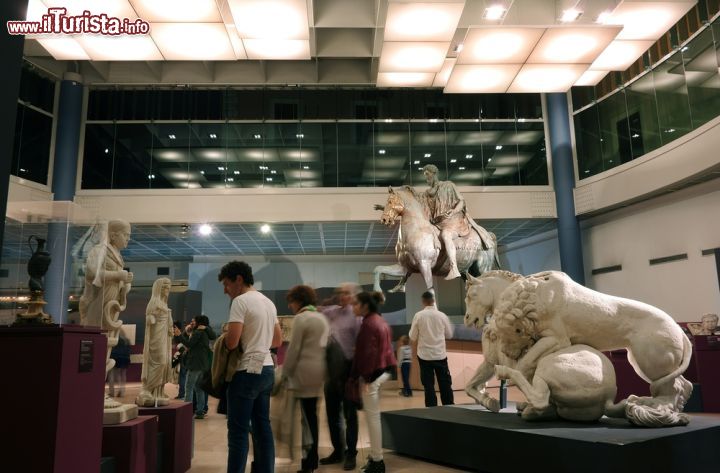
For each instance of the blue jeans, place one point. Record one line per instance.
(182, 377)
(248, 401)
(193, 389)
(405, 371)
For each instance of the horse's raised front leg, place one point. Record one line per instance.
(391, 270)
(400, 287)
(475, 388)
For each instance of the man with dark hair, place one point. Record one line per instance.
(254, 325)
(429, 329)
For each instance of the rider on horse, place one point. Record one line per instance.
(448, 213)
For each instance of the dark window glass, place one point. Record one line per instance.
(98, 155)
(702, 78)
(31, 149)
(672, 98)
(132, 159)
(36, 89)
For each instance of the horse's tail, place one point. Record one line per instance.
(496, 257)
(682, 389)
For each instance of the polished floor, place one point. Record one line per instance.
(211, 437)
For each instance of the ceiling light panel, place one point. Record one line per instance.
(422, 21)
(114, 8)
(193, 41)
(537, 78)
(481, 79)
(647, 20)
(442, 77)
(499, 45)
(591, 78)
(120, 48)
(277, 48)
(271, 19)
(620, 55)
(580, 45)
(413, 56)
(177, 11)
(64, 48)
(405, 79)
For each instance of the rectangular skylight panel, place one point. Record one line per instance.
(193, 41)
(537, 78)
(287, 49)
(413, 56)
(405, 79)
(620, 55)
(120, 48)
(422, 21)
(481, 79)
(499, 45)
(271, 19)
(572, 45)
(647, 20)
(176, 11)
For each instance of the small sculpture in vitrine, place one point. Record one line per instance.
(37, 266)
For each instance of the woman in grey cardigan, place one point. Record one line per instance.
(304, 365)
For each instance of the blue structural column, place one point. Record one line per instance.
(11, 52)
(569, 238)
(67, 139)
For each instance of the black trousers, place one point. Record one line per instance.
(342, 415)
(429, 370)
(309, 412)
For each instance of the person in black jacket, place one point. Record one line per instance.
(197, 360)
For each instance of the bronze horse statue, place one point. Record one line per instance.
(419, 249)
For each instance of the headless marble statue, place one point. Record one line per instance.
(157, 354)
(104, 298)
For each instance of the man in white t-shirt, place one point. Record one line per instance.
(253, 325)
(429, 329)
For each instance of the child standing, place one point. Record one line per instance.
(404, 356)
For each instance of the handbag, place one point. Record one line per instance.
(216, 391)
(352, 392)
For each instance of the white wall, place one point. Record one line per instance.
(532, 255)
(682, 222)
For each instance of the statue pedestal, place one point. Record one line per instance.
(54, 397)
(133, 444)
(176, 427)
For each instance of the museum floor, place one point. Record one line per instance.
(211, 436)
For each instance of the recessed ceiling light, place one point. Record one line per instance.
(427, 155)
(150, 176)
(468, 156)
(107, 150)
(453, 160)
(300, 136)
(489, 160)
(265, 228)
(569, 15)
(587, 171)
(381, 151)
(230, 179)
(268, 179)
(205, 229)
(417, 161)
(202, 172)
(257, 136)
(172, 137)
(221, 168)
(273, 171)
(635, 135)
(494, 12)
(388, 120)
(306, 167)
(213, 136)
(236, 172)
(498, 147)
(462, 168)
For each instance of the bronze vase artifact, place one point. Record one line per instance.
(37, 267)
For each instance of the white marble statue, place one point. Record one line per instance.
(708, 325)
(422, 237)
(553, 312)
(574, 383)
(105, 297)
(157, 353)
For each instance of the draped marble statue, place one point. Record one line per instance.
(157, 354)
(104, 297)
(437, 236)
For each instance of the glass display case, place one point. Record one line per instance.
(44, 246)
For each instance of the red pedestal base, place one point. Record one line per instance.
(176, 424)
(132, 444)
(54, 380)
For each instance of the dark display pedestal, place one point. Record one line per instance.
(707, 359)
(473, 439)
(53, 398)
(175, 424)
(133, 444)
